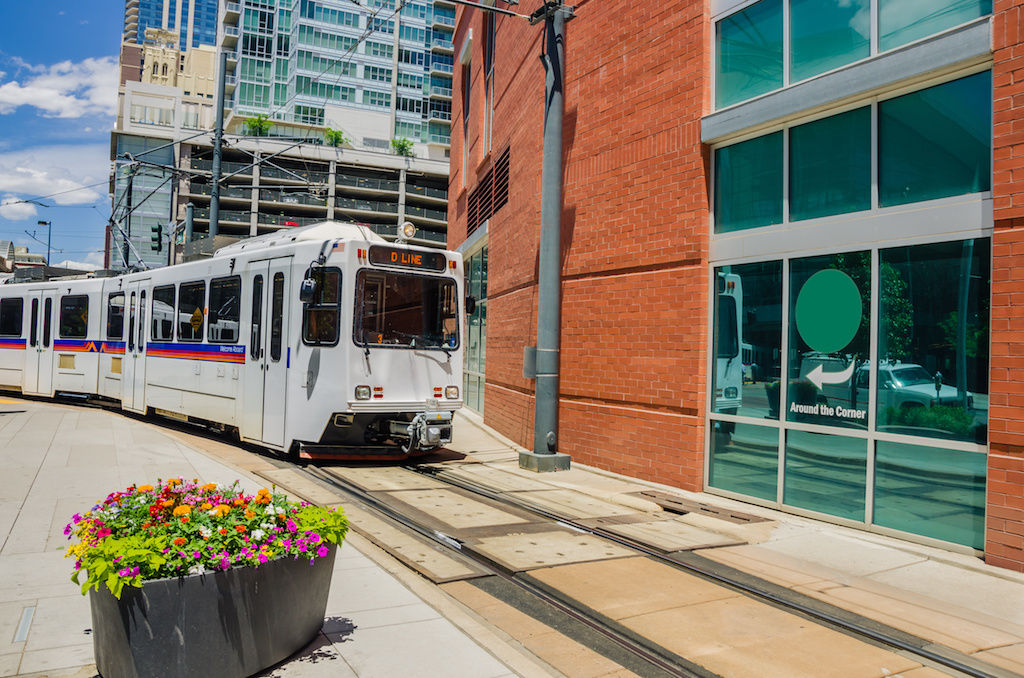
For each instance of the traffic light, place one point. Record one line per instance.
(158, 237)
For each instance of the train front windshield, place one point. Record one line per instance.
(401, 310)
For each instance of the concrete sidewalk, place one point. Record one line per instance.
(58, 460)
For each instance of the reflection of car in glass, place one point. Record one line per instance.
(908, 385)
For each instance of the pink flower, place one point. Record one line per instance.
(322, 551)
(105, 532)
(263, 558)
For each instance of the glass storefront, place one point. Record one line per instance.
(859, 403)
(476, 331)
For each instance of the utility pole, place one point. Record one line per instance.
(127, 233)
(545, 455)
(218, 137)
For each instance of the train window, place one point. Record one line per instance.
(74, 316)
(320, 316)
(142, 320)
(115, 316)
(255, 341)
(11, 312)
(162, 313)
(406, 311)
(224, 303)
(276, 316)
(47, 321)
(131, 323)
(33, 337)
(190, 311)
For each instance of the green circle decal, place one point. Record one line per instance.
(828, 311)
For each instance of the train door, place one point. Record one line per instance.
(133, 367)
(269, 357)
(39, 356)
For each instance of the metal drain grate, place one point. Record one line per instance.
(676, 504)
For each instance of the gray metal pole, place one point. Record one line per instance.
(545, 455)
(189, 214)
(218, 136)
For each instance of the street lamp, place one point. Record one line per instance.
(49, 230)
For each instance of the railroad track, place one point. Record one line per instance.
(407, 496)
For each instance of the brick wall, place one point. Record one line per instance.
(634, 232)
(1004, 539)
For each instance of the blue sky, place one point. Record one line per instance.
(58, 97)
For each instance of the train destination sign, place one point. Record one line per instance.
(396, 256)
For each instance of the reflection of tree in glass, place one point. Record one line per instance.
(897, 314)
(857, 265)
(976, 336)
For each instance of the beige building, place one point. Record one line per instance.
(193, 72)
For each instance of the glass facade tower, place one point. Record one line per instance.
(194, 20)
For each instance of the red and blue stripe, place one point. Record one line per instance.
(11, 343)
(76, 345)
(115, 347)
(221, 353)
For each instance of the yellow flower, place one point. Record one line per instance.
(145, 488)
(209, 487)
(183, 510)
(221, 510)
(206, 506)
(171, 482)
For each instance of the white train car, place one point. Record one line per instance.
(323, 341)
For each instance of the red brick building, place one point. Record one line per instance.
(789, 237)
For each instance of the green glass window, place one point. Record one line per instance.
(830, 165)
(933, 337)
(830, 301)
(936, 142)
(748, 184)
(748, 339)
(827, 35)
(749, 53)
(932, 492)
(826, 473)
(900, 22)
(745, 459)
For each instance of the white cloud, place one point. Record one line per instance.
(83, 265)
(64, 90)
(68, 170)
(11, 208)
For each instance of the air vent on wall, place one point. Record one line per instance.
(490, 194)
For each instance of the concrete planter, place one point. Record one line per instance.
(225, 624)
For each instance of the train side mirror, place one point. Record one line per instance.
(470, 304)
(307, 291)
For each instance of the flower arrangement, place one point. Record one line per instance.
(180, 528)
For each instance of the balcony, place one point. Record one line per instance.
(440, 140)
(442, 20)
(286, 220)
(426, 213)
(442, 45)
(439, 67)
(427, 191)
(235, 216)
(225, 167)
(292, 198)
(229, 192)
(439, 116)
(440, 92)
(232, 54)
(366, 205)
(299, 175)
(230, 36)
(367, 183)
(231, 12)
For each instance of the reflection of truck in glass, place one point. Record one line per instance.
(728, 340)
(904, 385)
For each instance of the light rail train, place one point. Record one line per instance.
(324, 341)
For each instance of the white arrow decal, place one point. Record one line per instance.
(819, 376)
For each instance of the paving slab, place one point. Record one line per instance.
(739, 637)
(1010, 657)
(301, 486)
(663, 533)
(386, 478)
(494, 478)
(571, 504)
(519, 552)
(455, 509)
(428, 559)
(628, 587)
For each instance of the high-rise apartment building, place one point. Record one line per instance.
(376, 71)
(193, 21)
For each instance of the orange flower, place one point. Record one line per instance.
(183, 510)
(206, 506)
(184, 519)
(209, 487)
(222, 530)
(145, 488)
(239, 528)
(221, 510)
(171, 482)
(239, 501)
(180, 541)
(249, 515)
(168, 503)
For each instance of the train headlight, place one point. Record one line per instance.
(362, 392)
(731, 392)
(407, 231)
(451, 392)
